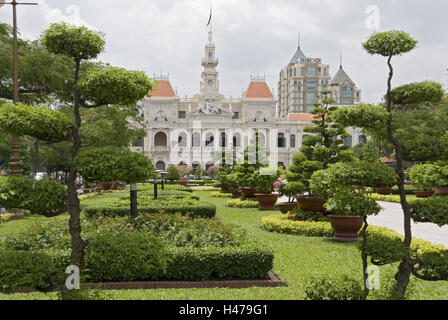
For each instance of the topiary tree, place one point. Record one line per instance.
(173, 173)
(100, 86)
(323, 147)
(414, 118)
(115, 164)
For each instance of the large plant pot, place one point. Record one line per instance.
(286, 207)
(225, 187)
(107, 185)
(248, 192)
(267, 200)
(345, 228)
(423, 194)
(311, 203)
(441, 191)
(236, 193)
(383, 191)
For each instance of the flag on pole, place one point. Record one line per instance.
(210, 18)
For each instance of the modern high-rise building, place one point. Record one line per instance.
(302, 80)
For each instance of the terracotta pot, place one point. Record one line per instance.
(116, 185)
(86, 191)
(384, 191)
(225, 187)
(107, 185)
(408, 183)
(236, 193)
(248, 192)
(183, 182)
(267, 200)
(286, 207)
(345, 228)
(311, 203)
(441, 191)
(423, 194)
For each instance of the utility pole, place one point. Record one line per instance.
(14, 164)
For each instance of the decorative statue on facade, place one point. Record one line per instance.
(209, 108)
(160, 116)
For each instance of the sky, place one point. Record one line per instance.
(254, 37)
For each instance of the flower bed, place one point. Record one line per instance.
(153, 247)
(281, 224)
(238, 203)
(146, 204)
(218, 194)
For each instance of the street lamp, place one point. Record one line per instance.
(163, 175)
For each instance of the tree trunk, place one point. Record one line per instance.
(36, 156)
(364, 260)
(406, 265)
(78, 244)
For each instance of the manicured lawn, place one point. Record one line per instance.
(296, 260)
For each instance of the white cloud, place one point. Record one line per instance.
(250, 36)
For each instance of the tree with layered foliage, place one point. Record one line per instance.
(414, 120)
(97, 87)
(89, 88)
(323, 147)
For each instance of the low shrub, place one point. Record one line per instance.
(310, 216)
(218, 194)
(433, 209)
(249, 261)
(21, 269)
(238, 203)
(333, 287)
(281, 224)
(124, 257)
(186, 206)
(5, 217)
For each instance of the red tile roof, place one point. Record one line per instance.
(300, 116)
(258, 90)
(163, 89)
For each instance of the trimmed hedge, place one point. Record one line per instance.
(5, 217)
(238, 203)
(281, 224)
(333, 287)
(248, 261)
(197, 209)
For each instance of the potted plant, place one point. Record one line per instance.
(324, 146)
(264, 182)
(420, 175)
(245, 177)
(290, 190)
(349, 206)
(438, 175)
(232, 180)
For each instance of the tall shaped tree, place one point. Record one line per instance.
(101, 86)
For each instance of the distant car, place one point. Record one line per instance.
(40, 175)
(190, 177)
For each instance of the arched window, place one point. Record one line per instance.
(292, 141)
(182, 140)
(362, 139)
(237, 140)
(182, 163)
(348, 141)
(160, 139)
(223, 140)
(160, 165)
(281, 141)
(196, 139)
(210, 140)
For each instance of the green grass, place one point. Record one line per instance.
(296, 260)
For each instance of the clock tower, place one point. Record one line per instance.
(209, 78)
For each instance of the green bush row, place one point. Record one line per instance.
(281, 224)
(238, 203)
(191, 208)
(219, 194)
(333, 287)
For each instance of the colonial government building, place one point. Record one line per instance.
(196, 130)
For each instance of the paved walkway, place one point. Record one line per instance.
(392, 217)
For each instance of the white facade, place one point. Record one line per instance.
(198, 129)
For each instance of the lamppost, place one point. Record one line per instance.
(14, 163)
(163, 175)
(133, 195)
